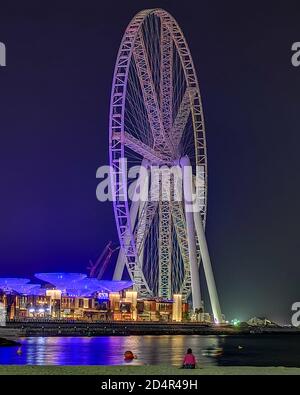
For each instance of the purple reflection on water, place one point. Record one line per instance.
(106, 350)
(251, 350)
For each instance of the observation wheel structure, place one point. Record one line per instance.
(156, 121)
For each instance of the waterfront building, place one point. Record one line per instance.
(74, 296)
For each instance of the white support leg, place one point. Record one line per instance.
(191, 235)
(212, 289)
(120, 265)
(136, 205)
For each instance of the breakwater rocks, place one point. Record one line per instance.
(128, 328)
(80, 328)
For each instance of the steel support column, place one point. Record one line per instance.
(191, 235)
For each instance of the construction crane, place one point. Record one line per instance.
(97, 269)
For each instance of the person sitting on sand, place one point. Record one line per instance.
(189, 361)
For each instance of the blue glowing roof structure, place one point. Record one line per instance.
(73, 284)
(77, 284)
(61, 281)
(37, 291)
(11, 283)
(21, 286)
(114, 286)
(88, 286)
(29, 289)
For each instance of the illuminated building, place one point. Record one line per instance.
(74, 296)
(177, 308)
(131, 298)
(55, 302)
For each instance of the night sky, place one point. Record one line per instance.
(54, 103)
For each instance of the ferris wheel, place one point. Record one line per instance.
(156, 121)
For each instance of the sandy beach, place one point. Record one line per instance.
(144, 370)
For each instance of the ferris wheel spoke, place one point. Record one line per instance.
(181, 233)
(142, 149)
(182, 115)
(161, 141)
(166, 76)
(144, 223)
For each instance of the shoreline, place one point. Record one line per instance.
(147, 370)
(82, 328)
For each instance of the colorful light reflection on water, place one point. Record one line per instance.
(106, 350)
(249, 350)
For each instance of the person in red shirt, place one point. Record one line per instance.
(189, 361)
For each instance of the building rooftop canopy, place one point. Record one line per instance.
(78, 284)
(115, 286)
(61, 276)
(11, 283)
(61, 280)
(73, 284)
(29, 289)
(20, 286)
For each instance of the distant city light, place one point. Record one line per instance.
(235, 322)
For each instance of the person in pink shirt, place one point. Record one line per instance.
(189, 361)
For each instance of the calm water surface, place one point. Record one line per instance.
(264, 350)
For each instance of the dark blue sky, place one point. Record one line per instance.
(54, 102)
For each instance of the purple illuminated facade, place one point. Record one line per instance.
(72, 284)
(78, 284)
